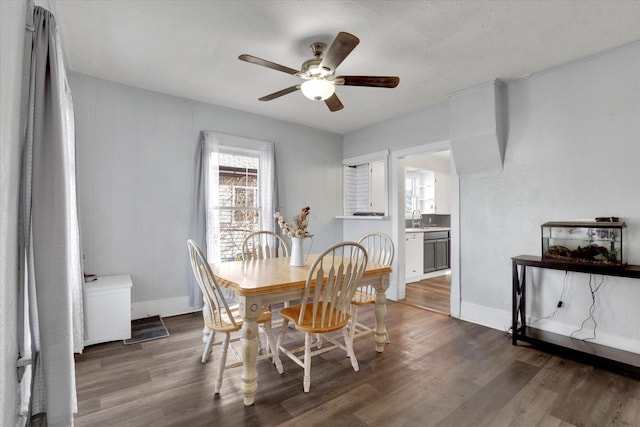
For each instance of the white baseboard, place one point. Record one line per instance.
(430, 275)
(436, 274)
(602, 337)
(501, 320)
(485, 316)
(162, 307)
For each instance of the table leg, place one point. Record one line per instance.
(250, 310)
(381, 312)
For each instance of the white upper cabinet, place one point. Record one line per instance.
(442, 186)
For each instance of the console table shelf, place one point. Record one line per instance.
(583, 351)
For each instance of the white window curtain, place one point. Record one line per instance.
(51, 272)
(205, 226)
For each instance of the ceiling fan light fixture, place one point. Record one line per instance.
(318, 89)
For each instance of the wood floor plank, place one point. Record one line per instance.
(529, 407)
(436, 371)
(337, 407)
(482, 407)
(595, 399)
(422, 398)
(430, 294)
(631, 408)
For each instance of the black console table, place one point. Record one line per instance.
(583, 351)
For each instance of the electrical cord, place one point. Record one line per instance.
(564, 288)
(591, 310)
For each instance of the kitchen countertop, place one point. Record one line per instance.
(426, 229)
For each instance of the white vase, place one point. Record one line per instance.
(297, 252)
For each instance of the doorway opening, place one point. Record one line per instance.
(427, 186)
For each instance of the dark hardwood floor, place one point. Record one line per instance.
(430, 294)
(437, 371)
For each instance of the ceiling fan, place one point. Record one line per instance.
(319, 73)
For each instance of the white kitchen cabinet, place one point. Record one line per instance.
(414, 243)
(442, 183)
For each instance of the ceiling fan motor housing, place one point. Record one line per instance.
(311, 67)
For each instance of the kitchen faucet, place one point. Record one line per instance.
(416, 222)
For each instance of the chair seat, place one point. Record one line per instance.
(363, 298)
(264, 317)
(311, 324)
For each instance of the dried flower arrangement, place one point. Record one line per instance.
(299, 229)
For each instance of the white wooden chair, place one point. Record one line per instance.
(380, 250)
(220, 318)
(264, 244)
(324, 306)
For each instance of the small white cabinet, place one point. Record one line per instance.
(442, 193)
(414, 243)
(107, 309)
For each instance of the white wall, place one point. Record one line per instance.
(572, 152)
(418, 128)
(429, 162)
(136, 151)
(423, 128)
(12, 36)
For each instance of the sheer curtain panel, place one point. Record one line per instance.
(199, 214)
(49, 232)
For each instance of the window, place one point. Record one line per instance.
(410, 197)
(365, 184)
(240, 192)
(245, 197)
(238, 208)
(356, 185)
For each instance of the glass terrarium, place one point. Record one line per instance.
(585, 242)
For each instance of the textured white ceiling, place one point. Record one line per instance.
(189, 48)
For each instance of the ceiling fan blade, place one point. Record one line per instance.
(333, 102)
(342, 46)
(372, 81)
(279, 93)
(258, 61)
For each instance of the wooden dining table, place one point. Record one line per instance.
(270, 281)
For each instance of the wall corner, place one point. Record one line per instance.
(478, 124)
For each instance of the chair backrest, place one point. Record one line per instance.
(330, 298)
(379, 248)
(264, 244)
(218, 310)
